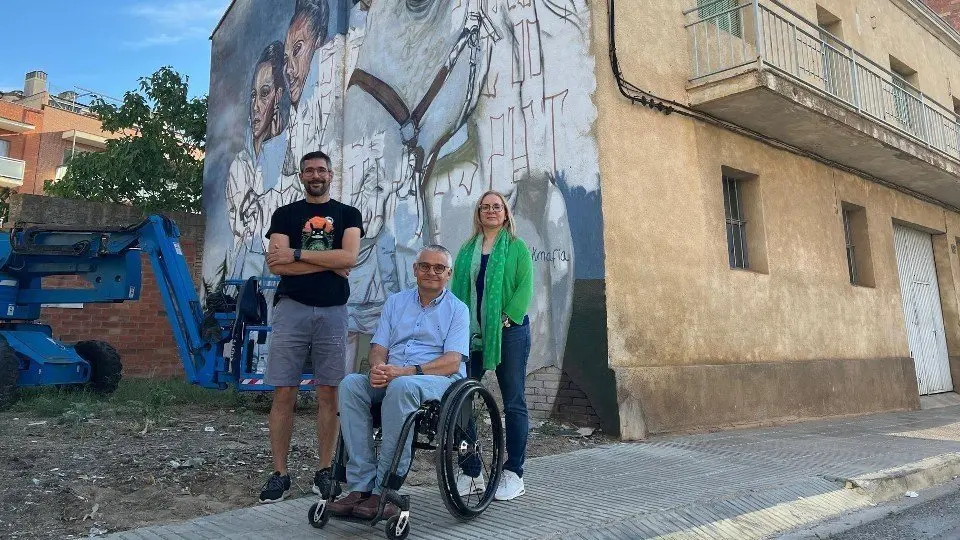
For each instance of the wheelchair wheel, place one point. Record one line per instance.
(321, 520)
(393, 524)
(470, 442)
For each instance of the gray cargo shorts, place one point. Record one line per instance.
(301, 331)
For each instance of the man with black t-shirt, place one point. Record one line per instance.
(313, 245)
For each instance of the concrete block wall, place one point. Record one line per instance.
(139, 330)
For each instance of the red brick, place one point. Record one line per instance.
(948, 9)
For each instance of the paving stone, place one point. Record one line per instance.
(727, 485)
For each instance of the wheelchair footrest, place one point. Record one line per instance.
(402, 501)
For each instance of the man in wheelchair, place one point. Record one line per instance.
(417, 352)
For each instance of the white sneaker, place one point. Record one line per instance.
(468, 485)
(510, 486)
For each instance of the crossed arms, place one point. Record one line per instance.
(281, 263)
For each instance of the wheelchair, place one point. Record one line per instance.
(464, 429)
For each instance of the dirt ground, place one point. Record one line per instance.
(77, 467)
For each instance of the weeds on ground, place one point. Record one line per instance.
(137, 400)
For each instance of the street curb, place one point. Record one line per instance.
(893, 483)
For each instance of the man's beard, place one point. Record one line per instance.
(319, 191)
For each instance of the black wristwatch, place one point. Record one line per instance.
(296, 255)
(419, 369)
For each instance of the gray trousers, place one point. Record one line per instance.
(301, 331)
(399, 399)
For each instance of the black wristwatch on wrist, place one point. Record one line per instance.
(419, 369)
(296, 255)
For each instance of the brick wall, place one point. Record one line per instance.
(552, 395)
(24, 146)
(948, 9)
(60, 120)
(139, 330)
(52, 145)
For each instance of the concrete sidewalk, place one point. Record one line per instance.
(740, 484)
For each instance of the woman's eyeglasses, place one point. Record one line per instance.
(491, 207)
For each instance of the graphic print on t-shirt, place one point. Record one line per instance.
(317, 234)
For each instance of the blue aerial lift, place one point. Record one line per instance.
(217, 343)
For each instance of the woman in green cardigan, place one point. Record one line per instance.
(493, 274)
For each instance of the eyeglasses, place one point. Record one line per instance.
(491, 207)
(437, 268)
(319, 170)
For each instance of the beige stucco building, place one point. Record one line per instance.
(753, 219)
(783, 243)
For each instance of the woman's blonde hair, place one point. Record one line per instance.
(508, 224)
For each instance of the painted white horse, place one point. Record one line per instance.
(449, 98)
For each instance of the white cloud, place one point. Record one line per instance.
(176, 21)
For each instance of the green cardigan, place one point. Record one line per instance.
(517, 290)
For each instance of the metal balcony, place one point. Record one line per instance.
(11, 172)
(759, 64)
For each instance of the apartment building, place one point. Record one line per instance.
(796, 255)
(40, 131)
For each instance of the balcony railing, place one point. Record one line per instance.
(729, 34)
(11, 172)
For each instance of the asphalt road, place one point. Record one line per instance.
(935, 514)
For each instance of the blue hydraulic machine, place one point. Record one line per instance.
(220, 344)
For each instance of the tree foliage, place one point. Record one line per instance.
(156, 161)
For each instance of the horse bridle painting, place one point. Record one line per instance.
(409, 121)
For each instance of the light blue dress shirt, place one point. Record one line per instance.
(413, 334)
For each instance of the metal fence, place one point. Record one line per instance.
(728, 34)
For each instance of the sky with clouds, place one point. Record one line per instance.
(106, 45)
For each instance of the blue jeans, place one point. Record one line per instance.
(399, 399)
(512, 378)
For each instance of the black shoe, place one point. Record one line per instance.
(322, 481)
(275, 489)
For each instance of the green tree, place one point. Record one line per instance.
(156, 162)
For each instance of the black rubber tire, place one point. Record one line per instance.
(106, 369)
(391, 529)
(9, 373)
(447, 471)
(318, 524)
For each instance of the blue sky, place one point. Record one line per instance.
(106, 45)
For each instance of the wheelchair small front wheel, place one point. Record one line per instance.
(397, 527)
(318, 518)
(469, 456)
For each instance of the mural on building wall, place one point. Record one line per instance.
(423, 105)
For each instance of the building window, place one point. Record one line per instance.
(829, 22)
(4, 148)
(736, 223)
(851, 248)
(71, 152)
(723, 13)
(907, 107)
(835, 64)
(857, 244)
(743, 217)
